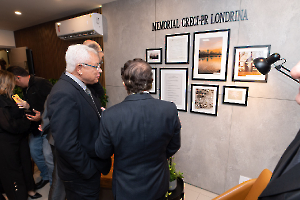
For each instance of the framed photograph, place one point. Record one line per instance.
(243, 67)
(235, 95)
(154, 75)
(211, 50)
(177, 48)
(204, 99)
(154, 56)
(173, 86)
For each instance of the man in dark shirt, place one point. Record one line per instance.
(285, 181)
(35, 91)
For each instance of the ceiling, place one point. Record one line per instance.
(39, 11)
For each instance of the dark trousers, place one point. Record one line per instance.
(57, 189)
(15, 169)
(83, 189)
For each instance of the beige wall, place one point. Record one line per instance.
(240, 140)
(7, 39)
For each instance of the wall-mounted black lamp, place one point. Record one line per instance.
(263, 65)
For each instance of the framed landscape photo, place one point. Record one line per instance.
(177, 48)
(243, 67)
(204, 99)
(154, 74)
(235, 95)
(211, 50)
(154, 56)
(173, 86)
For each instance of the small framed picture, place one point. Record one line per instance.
(154, 56)
(235, 95)
(173, 86)
(154, 74)
(177, 48)
(243, 67)
(211, 55)
(204, 99)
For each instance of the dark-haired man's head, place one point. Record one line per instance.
(137, 76)
(21, 75)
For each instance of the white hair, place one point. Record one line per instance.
(77, 54)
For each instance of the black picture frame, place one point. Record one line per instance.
(154, 56)
(237, 95)
(204, 99)
(173, 86)
(211, 49)
(177, 49)
(154, 83)
(243, 57)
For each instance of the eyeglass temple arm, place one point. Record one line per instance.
(278, 67)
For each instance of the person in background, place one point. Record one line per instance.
(35, 91)
(15, 169)
(142, 133)
(96, 88)
(74, 114)
(2, 64)
(285, 181)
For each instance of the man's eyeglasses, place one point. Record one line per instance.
(97, 66)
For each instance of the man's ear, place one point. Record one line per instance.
(78, 69)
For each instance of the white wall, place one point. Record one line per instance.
(7, 39)
(240, 140)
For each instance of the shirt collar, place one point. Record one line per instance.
(79, 82)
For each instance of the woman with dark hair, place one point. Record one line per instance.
(15, 169)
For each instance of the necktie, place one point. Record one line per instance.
(88, 91)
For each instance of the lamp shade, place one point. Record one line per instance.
(263, 65)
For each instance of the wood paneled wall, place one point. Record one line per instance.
(48, 50)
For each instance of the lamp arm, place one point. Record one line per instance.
(278, 68)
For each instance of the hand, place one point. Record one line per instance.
(102, 108)
(36, 117)
(40, 128)
(23, 104)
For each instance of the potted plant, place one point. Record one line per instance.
(174, 175)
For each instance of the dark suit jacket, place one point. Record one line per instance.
(141, 132)
(285, 186)
(35, 94)
(74, 123)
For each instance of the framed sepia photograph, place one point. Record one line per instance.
(211, 50)
(173, 86)
(204, 99)
(177, 48)
(154, 75)
(235, 95)
(243, 67)
(154, 56)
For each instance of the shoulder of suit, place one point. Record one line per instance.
(38, 80)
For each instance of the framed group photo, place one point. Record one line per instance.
(177, 48)
(235, 95)
(154, 56)
(154, 75)
(204, 99)
(243, 67)
(211, 50)
(173, 86)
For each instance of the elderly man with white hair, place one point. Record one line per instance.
(75, 114)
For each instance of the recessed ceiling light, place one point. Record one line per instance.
(18, 13)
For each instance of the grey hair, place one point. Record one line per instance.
(77, 54)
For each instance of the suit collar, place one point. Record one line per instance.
(83, 93)
(288, 181)
(139, 96)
